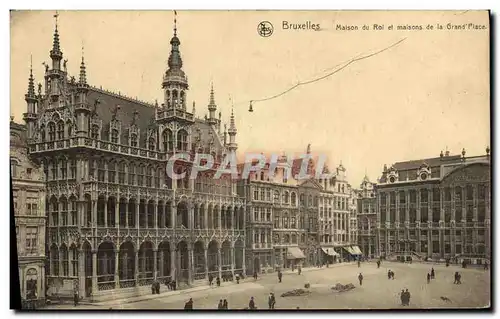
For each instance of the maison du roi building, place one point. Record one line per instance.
(28, 192)
(438, 208)
(116, 222)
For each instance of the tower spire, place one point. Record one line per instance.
(31, 81)
(232, 132)
(83, 72)
(56, 48)
(175, 23)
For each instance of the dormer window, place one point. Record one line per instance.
(133, 140)
(114, 136)
(60, 130)
(52, 131)
(95, 132)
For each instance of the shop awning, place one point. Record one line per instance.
(294, 253)
(348, 249)
(356, 250)
(329, 251)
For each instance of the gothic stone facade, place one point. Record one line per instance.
(437, 208)
(28, 196)
(116, 221)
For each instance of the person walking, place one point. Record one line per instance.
(237, 276)
(428, 278)
(255, 275)
(271, 300)
(300, 270)
(251, 304)
(220, 306)
(76, 297)
(378, 264)
(402, 296)
(407, 297)
(433, 274)
(280, 275)
(189, 304)
(359, 263)
(210, 279)
(360, 278)
(217, 281)
(225, 305)
(389, 274)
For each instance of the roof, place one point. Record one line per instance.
(431, 162)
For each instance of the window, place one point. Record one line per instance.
(60, 130)
(42, 133)
(28, 171)
(285, 221)
(64, 169)
(52, 131)
(13, 168)
(293, 199)
(256, 194)
(54, 171)
(262, 194)
(276, 196)
(111, 172)
(133, 140)
(121, 173)
(151, 144)
(70, 128)
(73, 169)
(276, 222)
(92, 168)
(140, 176)
(149, 177)
(168, 141)
(94, 132)
(114, 136)
(73, 214)
(302, 199)
(268, 195)
(255, 214)
(293, 222)
(182, 144)
(100, 171)
(31, 240)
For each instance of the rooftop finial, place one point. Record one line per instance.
(56, 16)
(175, 23)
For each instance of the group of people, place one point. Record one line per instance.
(431, 275)
(405, 297)
(458, 278)
(211, 279)
(222, 305)
(390, 274)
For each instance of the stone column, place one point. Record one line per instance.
(219, 258)
(205, 216)
(155, 264)
(233, 258)
(126, 213)
(244, 259)
(206, 262)
(162, 262)
(136, 268)
(173, 214)
(105, 212)
(81, 273)
(155, 215)
(137, 208)
(117, 213)
(190, 263)
(172, 262)
(94, 272)
(117, 265)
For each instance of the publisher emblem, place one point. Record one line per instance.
(265, 29)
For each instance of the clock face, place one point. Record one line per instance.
(423, 176)
(392, 179)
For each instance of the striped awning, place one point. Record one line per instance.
(348, 249)
(356, 250)
(295, 253)
(329, 251)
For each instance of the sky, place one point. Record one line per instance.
(428, 93)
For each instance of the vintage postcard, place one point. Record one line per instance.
(251, 159)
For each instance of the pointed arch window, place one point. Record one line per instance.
(182, 144)
(157, 178)
(149, 176)
(72, 168)
(42, 133)
(168, 141)
(54, 171)
(140, 176)
(13, 167)
(52, 131)
(114, 136)
(94, 132)
(100, 170)
(293, 199)
(133, 140)
(131, 174)
(64, 169)
(60, 130)
(151, 144)
(121, 173)
(70, 128)
(111, 172)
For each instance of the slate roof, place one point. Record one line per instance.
(432, 162)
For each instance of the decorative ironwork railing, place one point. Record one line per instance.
(145, 281)
(127, 283)
(107, 285)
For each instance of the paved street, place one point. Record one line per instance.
(377, 291)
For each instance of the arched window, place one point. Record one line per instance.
(31, 284)
(140, 176)
(287, 198)
(182, 101)
(52, 131)
(100, 170)
(114, 136)
(149, 176)
(182, 144)
(168, 141)
(70, 128)
(276, 196)
(310, 201)
(293, 199)
(64, 168)
(131, 174)
(94, 132)
(111, 172)
(175, 98)
(133, 140)
(121, 173)
(285, 221)
(60, 130)
(42, 133)
(151, 144)
(261, 176)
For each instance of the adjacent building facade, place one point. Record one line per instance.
(437, 208)
(116, 221)
(28, 196)
(367, 218)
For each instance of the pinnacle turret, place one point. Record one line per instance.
(56, 53)
(83, 73)
(232, 125)
(31, 85)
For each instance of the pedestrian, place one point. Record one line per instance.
(389, 274)
(464, 264)
(402, 296)
(428, 278)
(237, 278)
(300, 270)
(217, 280)
(189, 304)
(210, 279)
(255, 275)
(486, 265)
(280, 275)
(75, 297)
(392, 275)
(459, 277)
(251, 304)
(407, 297)
(378, 263)
(271, 300)
(220, 305)
(433, 274)
(225, 305)
(360, 277)
(359, 263)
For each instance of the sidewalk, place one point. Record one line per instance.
(168, 293)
